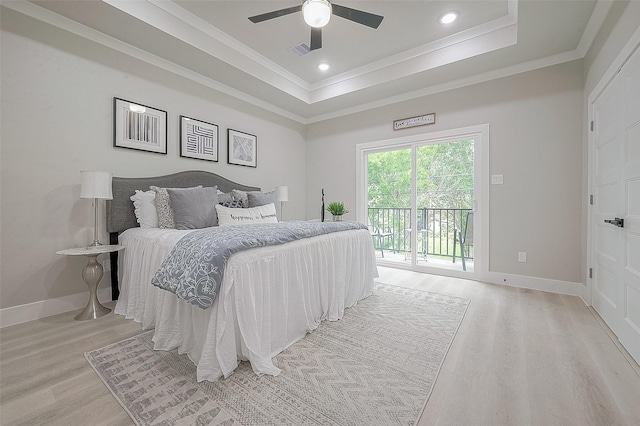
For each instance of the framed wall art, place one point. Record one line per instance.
(198, 139)
(242, 148)
(138, 126)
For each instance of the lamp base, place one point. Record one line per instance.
(96, 242)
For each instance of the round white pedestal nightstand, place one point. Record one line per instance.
(92, 274)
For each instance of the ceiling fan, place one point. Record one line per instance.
(317, 14)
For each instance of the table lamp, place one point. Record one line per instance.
(96, 185)
(282, 195)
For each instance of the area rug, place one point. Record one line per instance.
(376, 366)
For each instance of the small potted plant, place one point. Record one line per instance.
(337, 209)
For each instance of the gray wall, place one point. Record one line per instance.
(57, 107)
(535, 123)
(56, 111)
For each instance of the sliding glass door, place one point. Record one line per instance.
(444, 200)
(420, 202)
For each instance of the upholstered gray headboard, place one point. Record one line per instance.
(120, 211)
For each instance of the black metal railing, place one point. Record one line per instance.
(436, 229)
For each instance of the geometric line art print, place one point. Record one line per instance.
(199, 139)
(140, 127)
(242, 149)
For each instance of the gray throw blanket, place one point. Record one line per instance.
(195, 267)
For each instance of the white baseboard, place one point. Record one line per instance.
(45, 308)
(542, 284)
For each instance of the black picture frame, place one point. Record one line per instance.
(242, 148)
(139, 127)
(198, 139)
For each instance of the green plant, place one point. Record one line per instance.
(337, 208)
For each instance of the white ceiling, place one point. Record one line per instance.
(411, 54)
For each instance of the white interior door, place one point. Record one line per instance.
(629, 334)
(616, 227)
(607, 204)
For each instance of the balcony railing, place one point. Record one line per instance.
(436, 229)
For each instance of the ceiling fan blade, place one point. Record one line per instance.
(316, 39)
(359, 16)
(275, 14)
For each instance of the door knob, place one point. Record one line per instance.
(617, 222)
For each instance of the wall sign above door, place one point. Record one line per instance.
(421, 120)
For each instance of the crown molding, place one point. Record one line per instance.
(497, 31)
(465, 49)
(477, 32)
(45, 15)
(596, 20)
(189, 28)
(454, 84)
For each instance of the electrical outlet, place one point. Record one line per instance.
(497, 179)
(522, 256)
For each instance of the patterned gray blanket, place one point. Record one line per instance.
(195, 267)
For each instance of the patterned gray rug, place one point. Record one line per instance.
(376, 366)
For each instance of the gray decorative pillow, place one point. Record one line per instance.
(228, 199)
(224, 197)
(257, 198)
(163, 207)
(194, 208)
(242, 196)
(234, 203)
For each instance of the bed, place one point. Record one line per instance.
(268, 299)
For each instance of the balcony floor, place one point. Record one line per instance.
(430, 261)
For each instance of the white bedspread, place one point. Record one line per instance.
(269, 299)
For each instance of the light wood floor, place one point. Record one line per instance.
(520, 357)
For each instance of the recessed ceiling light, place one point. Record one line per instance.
(448, 17)
(323, 66)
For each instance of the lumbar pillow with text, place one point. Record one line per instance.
(263, 214)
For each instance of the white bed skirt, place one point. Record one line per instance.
(270, 297)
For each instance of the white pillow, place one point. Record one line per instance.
(144, 204)
(230, 216)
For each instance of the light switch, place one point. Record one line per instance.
(522, 256)
(496, 179)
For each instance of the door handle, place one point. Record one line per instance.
(617, 222)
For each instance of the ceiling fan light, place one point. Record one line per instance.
(316, 13)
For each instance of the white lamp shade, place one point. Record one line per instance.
(316, 13)
(96, 185)
(282, 193)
